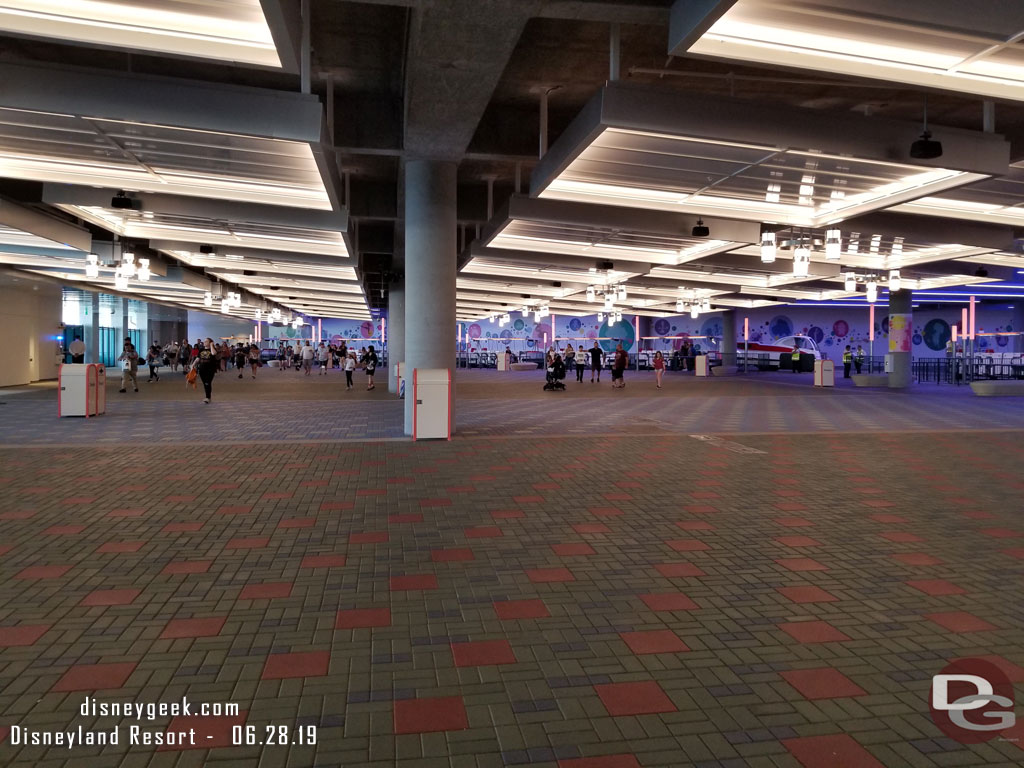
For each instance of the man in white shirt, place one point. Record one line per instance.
(77, 350)
(307, 358)
(322, 356)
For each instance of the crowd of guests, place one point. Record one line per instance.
(206, 358)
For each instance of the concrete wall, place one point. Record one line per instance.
(30, 316)
(216, 326)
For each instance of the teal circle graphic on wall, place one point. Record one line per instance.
(936, 333)
(617, 333)
(575, 324)
(711, 327)
(519, 324)
(780, 326)
(816, 333)
(662, 327)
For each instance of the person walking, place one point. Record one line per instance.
(370, 361)
(659, 367)
(581, 364)
(322, 356)
(254, 359)
(570, 358)
(308, 353)
(595, 362)
(858, 359)
(206, 364)
(77, 350)
(240, 359)
(129, 360)
(153, 359)
(350, 366)
(171, 353)
(847, 361)
(619, 367)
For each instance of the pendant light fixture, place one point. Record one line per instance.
(120, 280)
(680, 306)
(208, 299)
(600, 317)
(895, 281)
(851, 282)
(622, 293)
(694, 312)
(92, 266)
(925, 148)
(833, 244)
(768, 247)
(143, 273)
(128, 264)
(872, 287)
(801, 261)
(590, 293)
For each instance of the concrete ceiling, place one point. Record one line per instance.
(463, 80)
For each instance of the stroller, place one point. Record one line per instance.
(556, 373)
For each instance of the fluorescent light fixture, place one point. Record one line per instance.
(234, 31)
(713, 160)
(801, 261)
(768, 247)
(942, 49)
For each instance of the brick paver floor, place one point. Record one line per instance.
(770, 600)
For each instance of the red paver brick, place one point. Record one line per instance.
(451, 555)
(1013, 672)
(813, 632)
(483, 532)
(181, 528)
(823, 683)
(1002, 533)
(808, 594)
(936, 587)
(547, 575)
(188, 566)
(368, 537)
(413, 582)
(111, 597)
(641, 698)
(409, 517)
(363, 618)
(430, 715)
(654, 641)
(1017, 552)
(323, 561)
(266, 591)
(507, 610)
(251, 542)
(960, 622)
(834, 751)
(237, 509)
(64, 530)
(669, 601)
(336, 506)
(281, 666)
(440, 502)
(605, 511)
(679, 570)
(94, 677)
(297, 522)
(22, 635)
(180, 628)
(121, 547)
(605, 761)
(43, 572)
(483, 653)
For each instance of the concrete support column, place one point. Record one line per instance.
(901, 330)
(729, 339)
(396, 332)
(430, 271)
(124, 325)
(92, 330)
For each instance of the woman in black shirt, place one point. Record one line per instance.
(370, 361)
(207, 363)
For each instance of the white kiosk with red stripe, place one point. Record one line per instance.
(82, 390)
(432, 404)
(824, 373)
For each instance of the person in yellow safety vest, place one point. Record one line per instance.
(858, 359)
(847, 361)
(795, 358)
(949, 347)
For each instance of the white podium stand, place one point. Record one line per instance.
(82, 390)
(701, 365)
(431, 410)
(824, 373)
